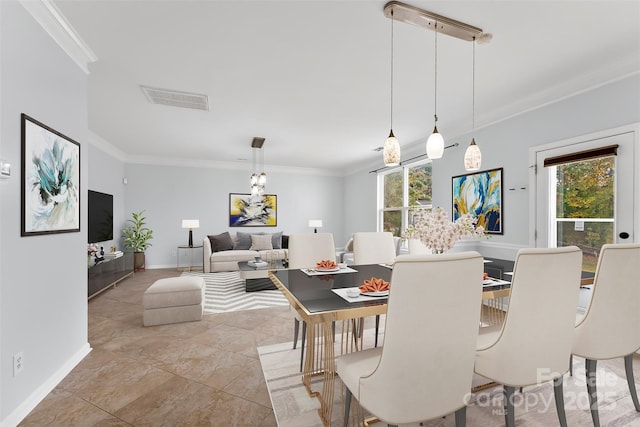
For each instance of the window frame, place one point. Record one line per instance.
(405, 208)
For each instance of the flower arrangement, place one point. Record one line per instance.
(438, 232)
(92, 249)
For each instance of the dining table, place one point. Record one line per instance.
(320, 299)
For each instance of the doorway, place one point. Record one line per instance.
(586, 192)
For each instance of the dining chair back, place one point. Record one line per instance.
(531, 348)
(373, 248)
(609, 328)
(425, 375)
(306, 249)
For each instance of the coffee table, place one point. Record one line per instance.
(257, 279)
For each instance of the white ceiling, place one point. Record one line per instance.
(313, 77)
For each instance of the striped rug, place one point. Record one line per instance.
(225, 292)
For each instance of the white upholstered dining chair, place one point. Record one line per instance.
(305, 250)
(610, 326)
(373, 247)
(425, 375)
(530, 348)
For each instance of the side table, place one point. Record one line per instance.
(190, 248)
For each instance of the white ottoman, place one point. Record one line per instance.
(173, 300)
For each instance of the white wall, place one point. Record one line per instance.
(169, 194)
(506, 144)
(43, 279)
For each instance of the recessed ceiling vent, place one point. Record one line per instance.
(176, 98)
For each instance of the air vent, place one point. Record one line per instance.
(176, 98)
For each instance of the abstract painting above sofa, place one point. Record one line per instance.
(247, 210)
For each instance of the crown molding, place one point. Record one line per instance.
(51, 19)
(107, 147)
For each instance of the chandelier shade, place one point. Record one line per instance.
(472, 157)
(435, 144)
(391, 152)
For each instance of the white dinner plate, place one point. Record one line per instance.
(375, 294)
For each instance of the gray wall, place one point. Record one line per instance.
(43, 279)
(169, 194)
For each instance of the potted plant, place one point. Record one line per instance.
(137, 237)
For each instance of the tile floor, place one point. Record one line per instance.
(196, 373)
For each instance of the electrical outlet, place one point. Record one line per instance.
(18, 363)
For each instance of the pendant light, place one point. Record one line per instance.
(473, 156)
(258, 180)
(435, 143)
(391, 152)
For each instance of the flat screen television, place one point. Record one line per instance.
(100, 207)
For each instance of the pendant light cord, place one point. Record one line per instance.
(391, 108)
(473, 89)
(435, 78)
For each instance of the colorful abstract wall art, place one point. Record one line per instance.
(246, 210)
(50, 180)
(480, 194)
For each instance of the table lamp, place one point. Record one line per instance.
(315, 224)
(190, 224)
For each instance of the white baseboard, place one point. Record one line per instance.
(19, 414)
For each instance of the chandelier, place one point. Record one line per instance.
(258, 177)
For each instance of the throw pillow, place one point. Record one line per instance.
(261, 242)
(221, 242)
(349, 245)
(285, 241)
(276, 240)
(243, 241)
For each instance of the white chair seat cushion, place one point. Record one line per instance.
(234, 255)
(351, 367)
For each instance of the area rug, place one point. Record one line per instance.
(226, 292)
(535, 407)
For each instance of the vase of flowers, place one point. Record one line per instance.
(437, 232)
(92, 249)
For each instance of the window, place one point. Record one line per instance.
(584, 206)
(401, 189)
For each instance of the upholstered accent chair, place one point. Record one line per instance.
(609, 328)
(530, 348)
(421, 376)
(305, 250)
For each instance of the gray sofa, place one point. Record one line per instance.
(222, 252)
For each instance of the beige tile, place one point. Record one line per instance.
(181, 402)
(62, 408)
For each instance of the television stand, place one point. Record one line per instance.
(108, 273)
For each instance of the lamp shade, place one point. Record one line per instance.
(435, 145)
(472, 157)
(315, 223)
(190, 223)
(391, 152)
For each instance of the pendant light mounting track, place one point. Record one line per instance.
(423, 18)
